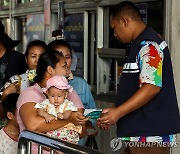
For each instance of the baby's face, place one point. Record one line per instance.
(56, 96)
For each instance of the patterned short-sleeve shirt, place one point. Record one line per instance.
(150, 61)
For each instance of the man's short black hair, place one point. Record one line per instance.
(126, 8)
(9, 104)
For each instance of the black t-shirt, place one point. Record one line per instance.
(160, 116)
(15, 64)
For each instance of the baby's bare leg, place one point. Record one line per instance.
(66, 114)
(49, 118)
(46, 115)
(60, 116)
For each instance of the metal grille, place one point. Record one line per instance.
(27, 138)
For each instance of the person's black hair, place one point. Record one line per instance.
(7, 42)
(58, 43)
(126, 8)
(9, 103)
(48, 58)
(38, 43)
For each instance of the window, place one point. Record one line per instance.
(74, 35)
(24, 1)
(5, 2)
(6, 23)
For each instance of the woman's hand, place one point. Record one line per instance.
(78, 118)
(88, 129)
(84, 131)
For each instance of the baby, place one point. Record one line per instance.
(58, 107)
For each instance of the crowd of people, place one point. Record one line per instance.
(25, 104)
(39, 92)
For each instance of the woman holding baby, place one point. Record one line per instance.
(50, 64)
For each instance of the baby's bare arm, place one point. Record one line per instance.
(46, 115)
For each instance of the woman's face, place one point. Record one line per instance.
(61, 67)
(67, 54)
(33, 56)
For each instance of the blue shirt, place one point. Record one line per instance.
(83, 91)
(81, 87)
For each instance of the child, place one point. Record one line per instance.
(58, 107)
(10, 133)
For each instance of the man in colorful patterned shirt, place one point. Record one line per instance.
(146, 109)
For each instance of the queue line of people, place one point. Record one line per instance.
(43, 64)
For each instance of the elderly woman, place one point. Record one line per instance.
(18, 83)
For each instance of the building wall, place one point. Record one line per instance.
(175, 52)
